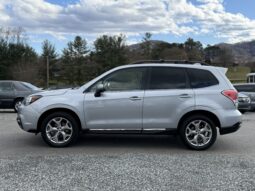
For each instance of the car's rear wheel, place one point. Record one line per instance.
(59, 129)
(198, 132)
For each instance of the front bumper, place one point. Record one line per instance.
(244, 106)
(232, 129)
(27, 118)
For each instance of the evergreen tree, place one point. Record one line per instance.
(194, 50)
(110, 51)
(74, 58)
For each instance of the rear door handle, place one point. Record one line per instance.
(185, 96)
(135, 98)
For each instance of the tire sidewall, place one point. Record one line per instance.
(72, 120)
(193, 118)
(15, 102)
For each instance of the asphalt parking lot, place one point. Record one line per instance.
(125, 162)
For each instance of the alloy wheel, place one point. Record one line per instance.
(198, 133)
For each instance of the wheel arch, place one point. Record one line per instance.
(54, 110)
(209, 114)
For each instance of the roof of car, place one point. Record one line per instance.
(250, 74)
(11, 81)
(170, 62)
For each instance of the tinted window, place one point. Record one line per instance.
(123, 80)
(6, 86)
(167, 78)
(201, 78)
(19, 87)
(30, 86)
(245, 88)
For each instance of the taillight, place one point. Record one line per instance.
(231, 94)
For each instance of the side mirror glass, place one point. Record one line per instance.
(99, 89)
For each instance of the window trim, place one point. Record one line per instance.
(187, 84)
(144, 79)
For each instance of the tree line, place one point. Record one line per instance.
(78, 63)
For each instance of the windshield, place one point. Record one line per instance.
(30, 86)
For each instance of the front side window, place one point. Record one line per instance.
(125, 80)
(167, 78)
(122, 80)
(6, 86)
(201, 78)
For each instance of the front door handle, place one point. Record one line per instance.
(135, 98)
(185, 96)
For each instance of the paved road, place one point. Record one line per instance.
(118, 162)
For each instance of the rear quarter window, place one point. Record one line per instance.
(200, 78)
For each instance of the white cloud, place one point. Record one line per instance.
(131, 17)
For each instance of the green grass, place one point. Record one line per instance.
(238, 74)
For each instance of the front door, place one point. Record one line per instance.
(120, 105)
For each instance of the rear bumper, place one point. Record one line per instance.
(244, 106)
(232, 129)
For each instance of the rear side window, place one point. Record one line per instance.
(167, 78)
(6, 86)
(201, 78)
(245, 88)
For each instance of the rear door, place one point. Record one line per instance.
(166, 97)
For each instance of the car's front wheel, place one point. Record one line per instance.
(59, 129)
(198, 132)
(17, 103)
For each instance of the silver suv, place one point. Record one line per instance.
(191, 100)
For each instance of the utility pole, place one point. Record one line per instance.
(48, 72)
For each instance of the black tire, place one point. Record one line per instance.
(17, 101)
(74, 124)
(194, 118)
(242, 111)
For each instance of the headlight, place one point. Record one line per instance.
(32, 99)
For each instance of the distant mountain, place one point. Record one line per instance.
(242, 52)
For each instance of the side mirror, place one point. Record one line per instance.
(100, 88)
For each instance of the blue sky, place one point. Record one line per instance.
(209, 21)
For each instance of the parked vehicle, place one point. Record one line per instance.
(244, 103)
(12, 93)
(191, 100)
(249, 90)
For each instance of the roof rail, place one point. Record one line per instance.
(171, 62)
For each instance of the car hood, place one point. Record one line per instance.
(54, 92)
